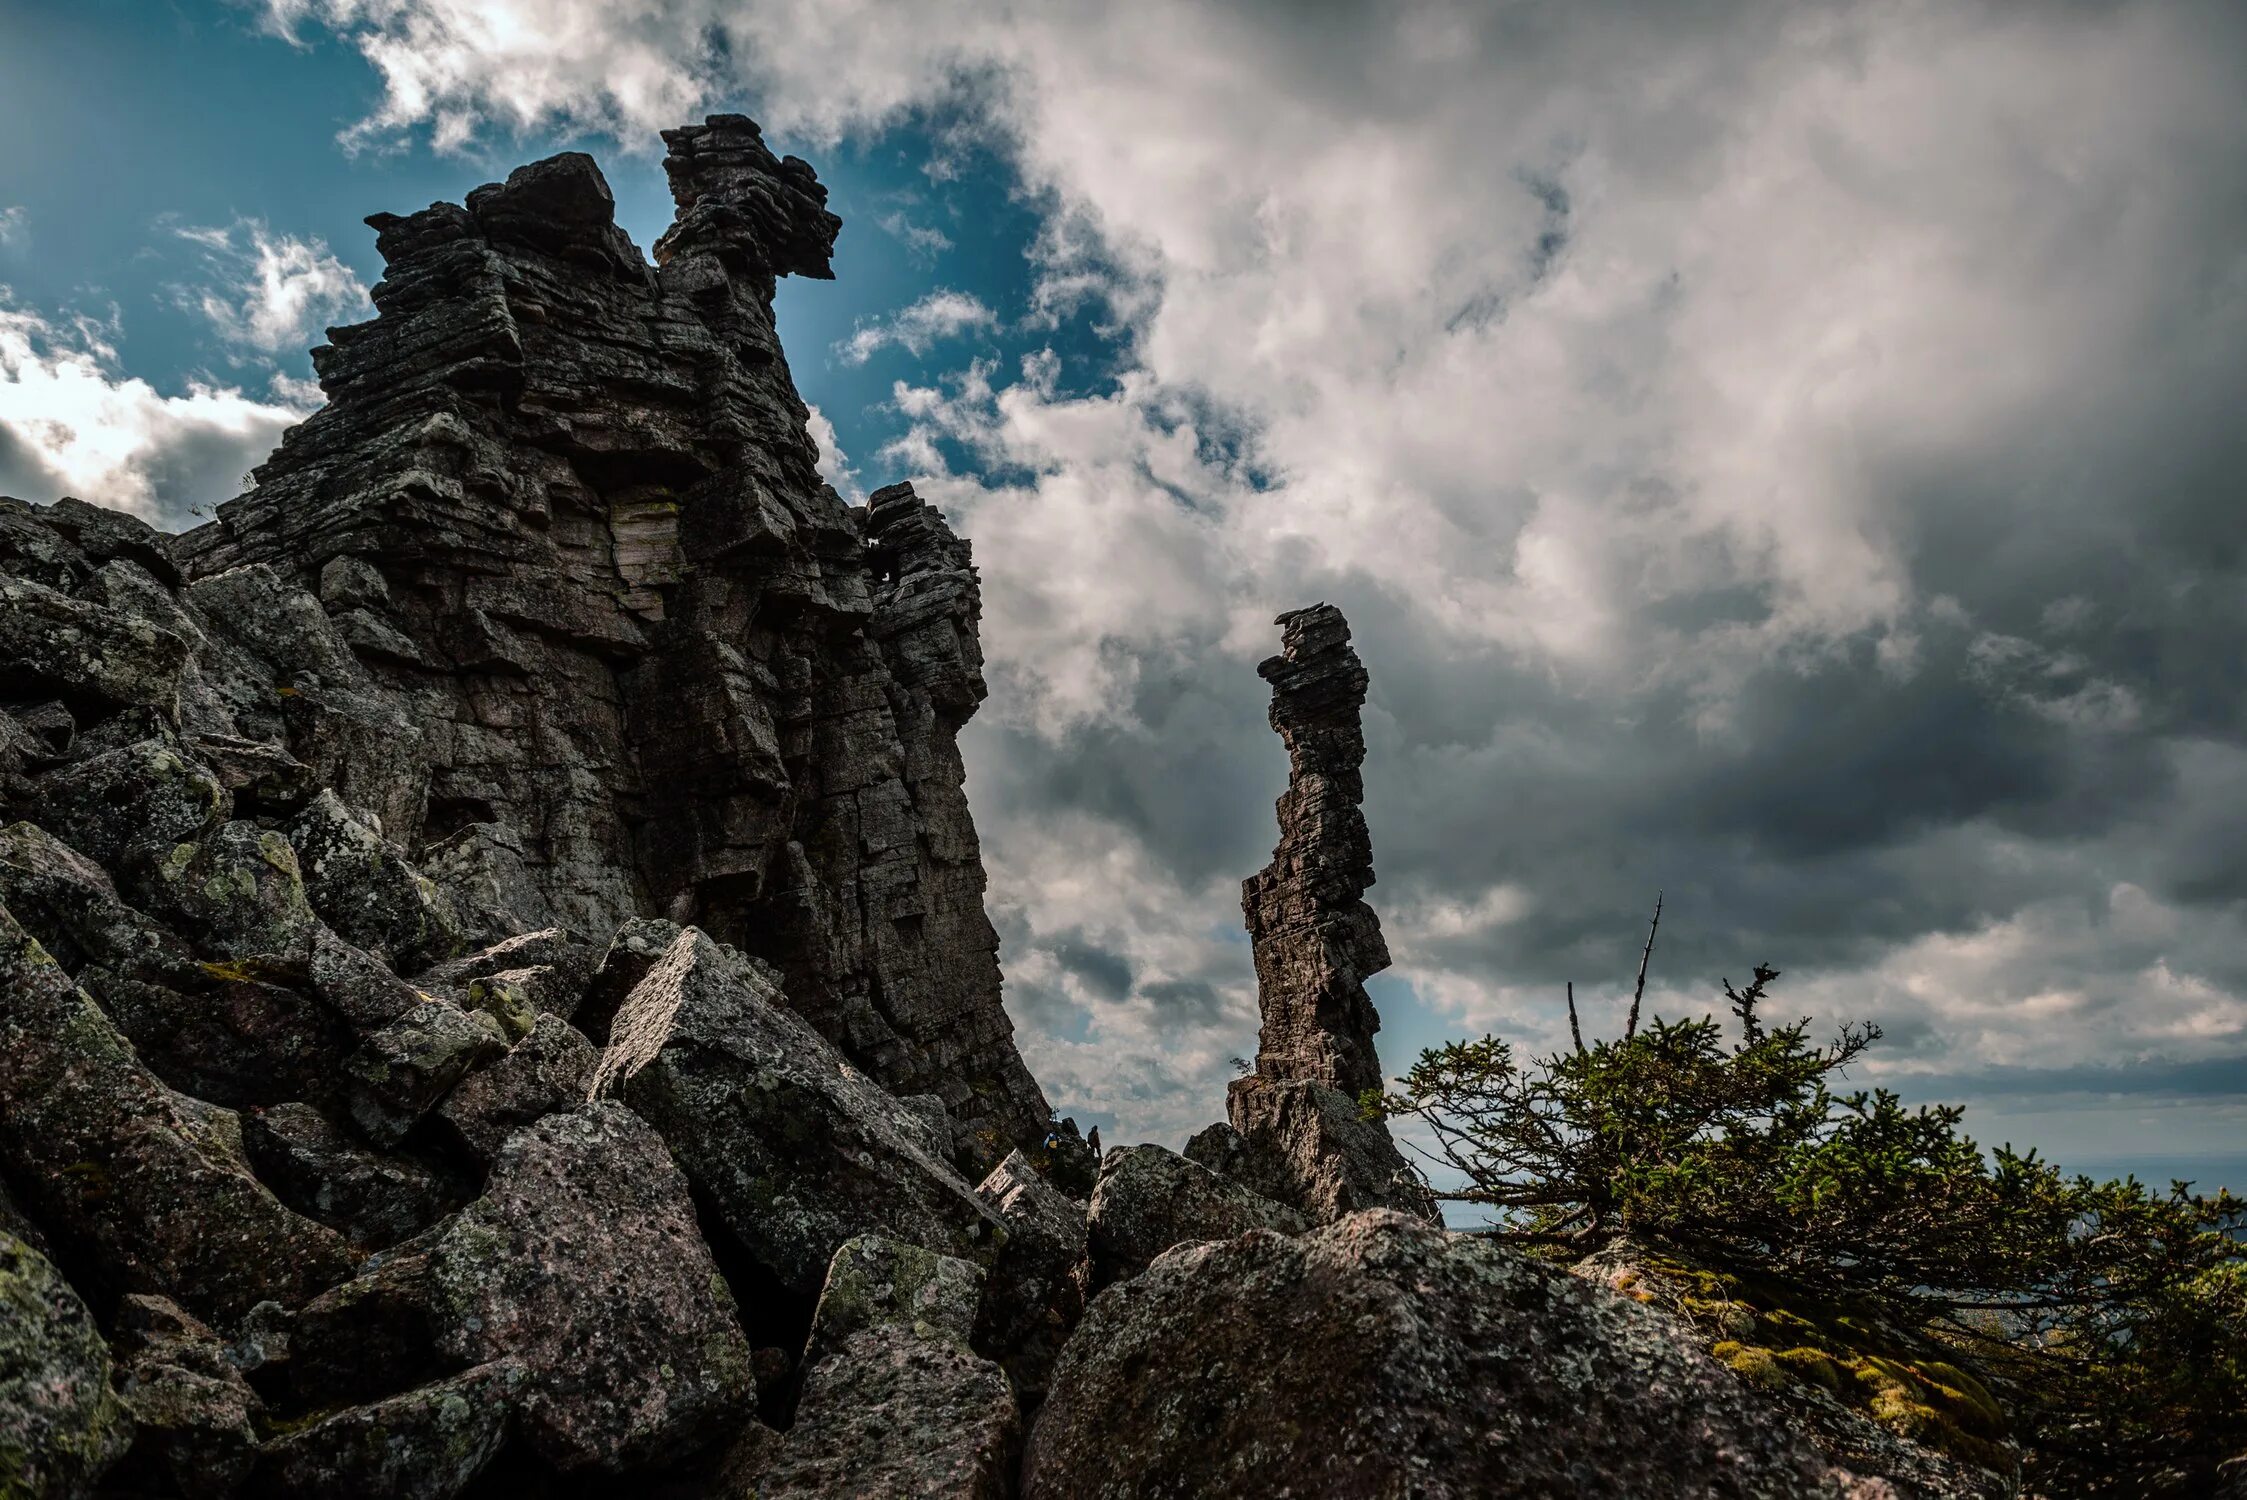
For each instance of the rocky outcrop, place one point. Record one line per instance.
(604, 646)
(1302, 1136)
(1381, 1356)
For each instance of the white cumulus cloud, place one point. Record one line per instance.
(918, 327)
(270, 292)
(72, 423)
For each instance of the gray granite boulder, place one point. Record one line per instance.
(129, 1173)
(795, 1149)
(1383, 1356)
(61, 1426)
(893, 1413)
(583, 1264)
(1150, 1198)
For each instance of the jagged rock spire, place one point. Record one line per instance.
(1316, 941)
(1297, 1133)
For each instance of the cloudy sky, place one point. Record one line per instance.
(1786, 456)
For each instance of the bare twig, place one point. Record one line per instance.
(1574, 1029)
(1630, 1027)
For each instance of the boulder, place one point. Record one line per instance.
(366, 890)
(60, 1424)
(84, 652)
(427, 1444)
(892, 1413)
(355, 984)
(1150, 1199)
(129, 1173)
(874, 1282)
(71, 906)
(1038, 1283)
(226, 1033)
(131, 802)
(549, 969)
(795, 1150)
(1312, 1146)
(1383, 1356)
(583, 1264)
(400, 1071)
(548, 1070)
(373, 1198)
(238, 890)
(195, 1417)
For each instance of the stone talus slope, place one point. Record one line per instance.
(628, 654)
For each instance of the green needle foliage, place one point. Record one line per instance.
(2113, 1316)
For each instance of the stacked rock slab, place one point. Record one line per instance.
(1315, 942)
(630, 656)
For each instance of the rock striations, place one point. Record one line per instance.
(1301, 1136)
(495, 995)
(617, 650)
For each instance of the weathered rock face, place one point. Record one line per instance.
(895, 1402)
(1315, 942)
(794, 1152)
(60, 1424)
(1150, 1199)
(1381, 1356)
(609, 647)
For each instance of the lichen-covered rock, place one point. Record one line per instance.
(238, 890)
(547, 970)
(355, 984)
(127, 1172)
(227, 1033)
(71, 906)
(425, 1444)
(372, 1197)
(891, 1413)
(548, 1070)
(366, 890)
(60, 1424)
(135, 801)
(195, 1417)
(874, 1281)
(1038, 1283)
(1382, 1356)
(84, 651)
(1150, 1199)
(583, 1263)
(1882, 1401)
(401, 1070)
(796, 1151)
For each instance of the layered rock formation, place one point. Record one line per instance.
(615, 650)
(1301, 1136)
